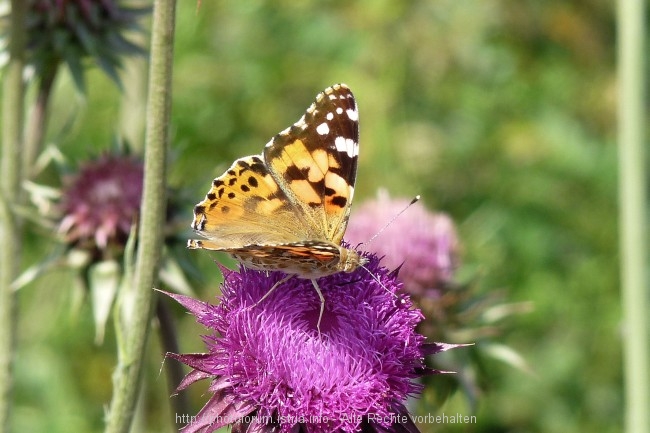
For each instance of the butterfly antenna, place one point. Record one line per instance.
(415, 200)
(374, 277)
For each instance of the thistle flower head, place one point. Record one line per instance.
(272, 371)
(423, 244)
(101, 202)
(69, 31)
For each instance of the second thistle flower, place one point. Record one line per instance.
(422, 244)
(101, 202)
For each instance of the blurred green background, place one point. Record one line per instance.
(500, 113)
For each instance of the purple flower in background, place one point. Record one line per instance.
(101, 202)
(423, 243)
(272, 371)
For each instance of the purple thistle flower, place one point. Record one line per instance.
(423, 244)
(101, 202)
(272, 371)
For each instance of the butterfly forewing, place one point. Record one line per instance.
(315, 161)
(245, 206)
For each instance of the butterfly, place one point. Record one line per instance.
(287, 209)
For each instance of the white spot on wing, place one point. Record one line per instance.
(339, 110)
(330, 116)
(353, 114)
(323, 129)
(301, 123)
(346, 145)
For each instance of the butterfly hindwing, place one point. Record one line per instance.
(302, 258)
(315, 161)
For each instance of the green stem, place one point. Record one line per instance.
(127, 377)
(10, 181)
(169, 343)
(132, 105)
(37, 125)
(633, 216)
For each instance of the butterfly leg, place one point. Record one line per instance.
(266, 295)
(322, 304)
(318, 291)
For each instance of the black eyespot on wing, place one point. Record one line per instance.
(294, 172)
(339, 201)
(259, 168)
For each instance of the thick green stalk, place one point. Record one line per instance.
(127, 378)
(633, 216)
(10, 181)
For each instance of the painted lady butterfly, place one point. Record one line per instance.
(287, 209)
